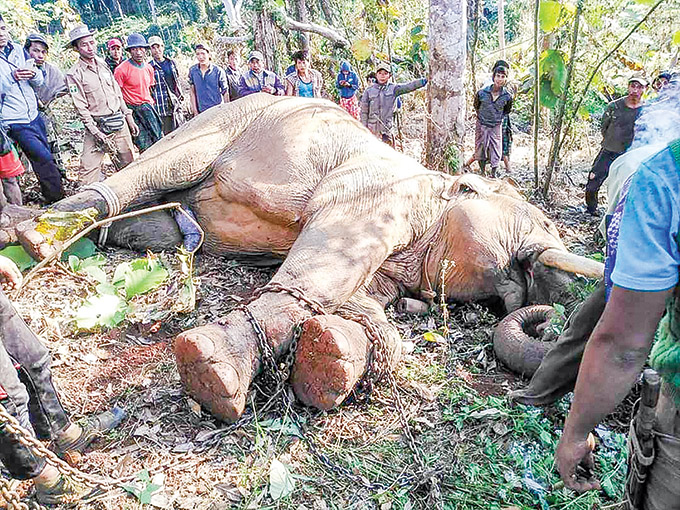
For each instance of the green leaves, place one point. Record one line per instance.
(102, 310)
(110, 306)
(549, 15)
(553, 72)
(281, 481)
(19, 256)
(142, 487)
(362, 49)
(139, 276)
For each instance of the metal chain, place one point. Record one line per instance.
(9, 494)
(27, 439)
(377, 368)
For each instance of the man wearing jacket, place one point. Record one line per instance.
(348, 84)
(377, 103)
(19, 111)
(258, 79)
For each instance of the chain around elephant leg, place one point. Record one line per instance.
(377, 368)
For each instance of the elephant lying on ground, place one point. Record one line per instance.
(358, 223)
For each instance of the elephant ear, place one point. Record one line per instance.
(467, 185)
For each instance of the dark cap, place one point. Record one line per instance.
(35, 37)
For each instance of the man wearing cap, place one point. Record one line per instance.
(617, 126)
(99, 103)
(209, 86)
(54, 85)
(258, 79)
(378, 100)
(165, 92)
(115, 56)
(19, 111)
(136, 77)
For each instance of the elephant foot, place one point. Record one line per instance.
(332, 355)
(213, 372)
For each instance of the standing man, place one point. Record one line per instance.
(304, 81)
(233, 71)
(19, 111)
(99, 103)
(492, 103)
(377, 103)
(258, 79)
(617, 125)
(136, 77)
(115, 56)
(165, 92)
(645, 284)
(208, 81)
(54, 85)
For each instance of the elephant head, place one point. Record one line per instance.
(500, 245)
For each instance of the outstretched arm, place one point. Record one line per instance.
(403, 88)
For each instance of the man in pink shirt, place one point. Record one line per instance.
(136, 77)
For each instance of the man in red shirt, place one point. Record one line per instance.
(136, 77)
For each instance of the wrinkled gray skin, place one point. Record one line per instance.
(358, 224)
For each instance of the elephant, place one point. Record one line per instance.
(356, 224)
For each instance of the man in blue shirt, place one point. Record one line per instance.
(645, 280)
(209, 86)
(19, 111)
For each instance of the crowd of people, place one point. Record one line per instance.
(128, 104)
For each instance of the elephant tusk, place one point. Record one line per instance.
(572, 263)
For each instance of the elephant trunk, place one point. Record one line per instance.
(572, 263)
(517, 342)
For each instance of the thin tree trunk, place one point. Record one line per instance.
(119, 9)
(554, 148)
(327, 11)
(537, 91)
(446, 106)
(303, 17)
(501, 27)
(473, 48)
(152, 8)
(582, 94)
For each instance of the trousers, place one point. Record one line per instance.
(93, 154)
(27, 393)
(597, 176)
(32, 138)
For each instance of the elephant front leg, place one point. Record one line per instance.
(217, 362)
(333, 353)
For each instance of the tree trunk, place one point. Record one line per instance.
(303, 17)
(554, 148)
(117, 6)
(446, 106)
(327, 11)
(537, 91)
(473, 46)
(265, 37)
(501, 28)
(152, 8)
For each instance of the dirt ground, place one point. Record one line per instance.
(199, 463)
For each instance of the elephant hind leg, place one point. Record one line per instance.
(333, 352)
(156, 231)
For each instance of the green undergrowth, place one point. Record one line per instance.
(505, 454)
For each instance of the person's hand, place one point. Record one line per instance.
(100, 136)
(343, 83)
(268, 89)
(134, 128)
(9, 272)
(23, 74)
(574, 461)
